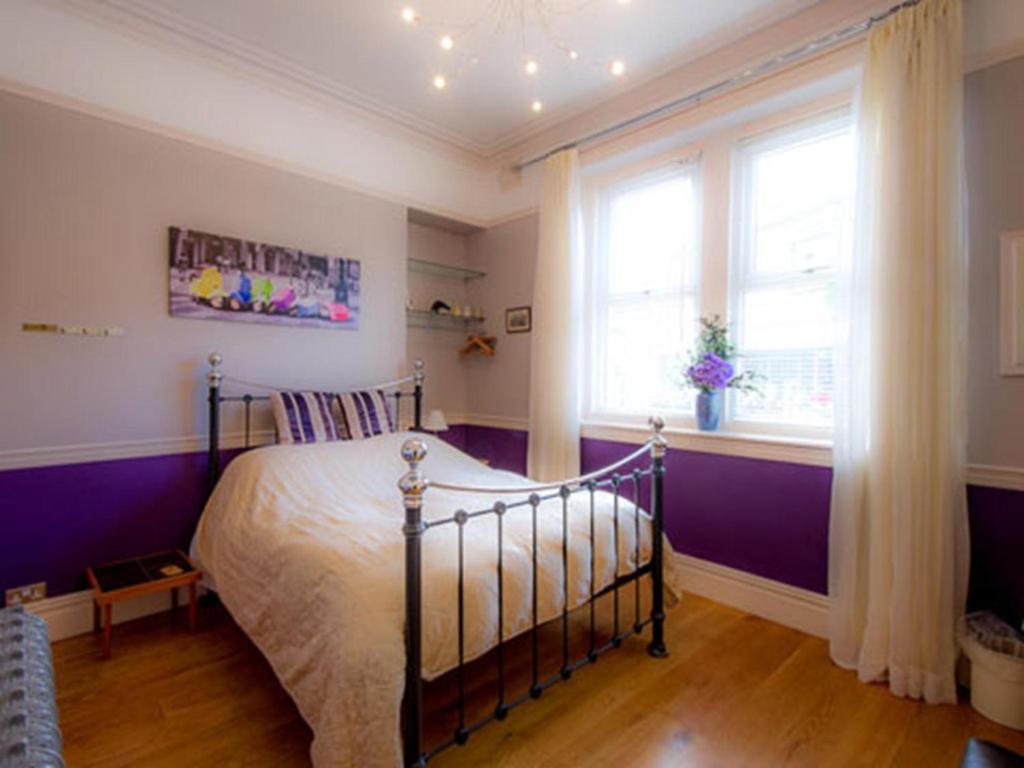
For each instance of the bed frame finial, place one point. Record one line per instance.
(658, 442)
(214, 376)
(413, 483)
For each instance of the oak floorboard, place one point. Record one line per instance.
(736, 690)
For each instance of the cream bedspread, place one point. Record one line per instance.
(305, 547)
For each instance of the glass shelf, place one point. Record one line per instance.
(443, 270)
(420, 318)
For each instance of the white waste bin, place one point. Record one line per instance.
(996, 653)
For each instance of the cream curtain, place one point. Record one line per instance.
(554, 448)
(898, 539)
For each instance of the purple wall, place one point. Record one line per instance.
(764, 517)
(57, 520)
(997, 546)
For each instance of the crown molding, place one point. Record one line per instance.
(151, 24)
(145, 20)
(994, 56)
(730, 34)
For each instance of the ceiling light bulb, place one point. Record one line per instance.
(618, 68)
(573, 55)
(623, 2)
(440, 82)
(531, 67)
(409, 15)
(537, 105)
(447, 43)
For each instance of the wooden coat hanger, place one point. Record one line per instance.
(483, 344)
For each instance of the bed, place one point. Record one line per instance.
(358, 578)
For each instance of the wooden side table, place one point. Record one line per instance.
(125, 579)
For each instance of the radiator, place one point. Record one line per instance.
(29, 732)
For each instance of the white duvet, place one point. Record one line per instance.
(305, 547)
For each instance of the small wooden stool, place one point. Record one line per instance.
(125, 579)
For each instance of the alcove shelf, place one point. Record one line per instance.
(443, 270)
(421, 318)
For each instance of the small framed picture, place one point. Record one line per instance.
(518, 320)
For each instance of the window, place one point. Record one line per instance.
(644, 292)
(792, 195)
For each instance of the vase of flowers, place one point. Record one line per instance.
(711, 372)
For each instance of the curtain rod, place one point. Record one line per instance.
(751, 73)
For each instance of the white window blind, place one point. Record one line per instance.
(646, 252)
(792, 223)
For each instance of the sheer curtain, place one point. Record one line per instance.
(898, 539)
(554, 448)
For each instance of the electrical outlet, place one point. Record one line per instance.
(26, 594)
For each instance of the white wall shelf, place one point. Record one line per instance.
(419, 318)
(444, 270)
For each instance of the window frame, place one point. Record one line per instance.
(742, 276)
(712, 139)
(600, 190)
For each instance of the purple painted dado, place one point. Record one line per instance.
(763, 517)
(997, 546)
(57, 520)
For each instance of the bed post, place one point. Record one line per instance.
(417, 378)
(658, 445)
(213, 378)
(413, 484)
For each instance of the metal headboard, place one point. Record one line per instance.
(215, 377)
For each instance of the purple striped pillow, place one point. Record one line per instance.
(304, 417)
(364, 414)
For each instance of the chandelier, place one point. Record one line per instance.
(467, 41)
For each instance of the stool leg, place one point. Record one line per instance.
(95, 616)
(192, 607)
(107, 621)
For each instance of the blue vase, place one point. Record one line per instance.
(709, 409)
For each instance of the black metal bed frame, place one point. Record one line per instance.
(414, 484)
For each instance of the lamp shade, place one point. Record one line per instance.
(435, 422)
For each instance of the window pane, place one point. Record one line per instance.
(793, 223)
(644, 303)
(644, 347)
(652, 238)
(800, 204)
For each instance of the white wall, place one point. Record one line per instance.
(83, 241)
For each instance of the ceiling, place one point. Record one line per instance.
(362, 52)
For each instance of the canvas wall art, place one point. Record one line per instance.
(213, 277)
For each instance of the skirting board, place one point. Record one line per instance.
(70, 615)
(791, 606)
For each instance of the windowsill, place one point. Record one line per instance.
(791, 449)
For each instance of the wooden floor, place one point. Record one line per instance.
(736, 691)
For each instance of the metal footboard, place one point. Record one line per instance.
(414, 484)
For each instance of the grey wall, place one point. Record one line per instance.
(83, 240)
(500, 385)
(995, 180)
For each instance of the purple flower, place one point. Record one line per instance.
(710, 373)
